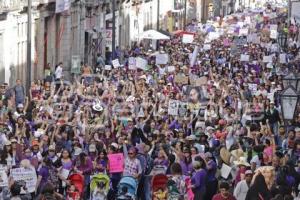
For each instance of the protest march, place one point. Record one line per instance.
(212, 113)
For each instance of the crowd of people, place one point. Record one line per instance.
(208, 123)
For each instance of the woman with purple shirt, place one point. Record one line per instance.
(83, 165)
(186, 162)
(199, 179)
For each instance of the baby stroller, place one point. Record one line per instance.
(127, 188)
(159, 187)
(76, 188)
(99, 187)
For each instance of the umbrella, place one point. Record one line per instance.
(153, 35)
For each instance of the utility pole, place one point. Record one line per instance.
(184, 17)
(158, 10)
(28, 79)
(113, 29)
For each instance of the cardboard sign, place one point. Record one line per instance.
(116, 63)
(131, 63)
(116, 162)
(162, 59)
(141, 63)
(173, 107)
(3, 176)
(187, 38)
(273, 34)
(225, 170)
(199, 81)
(282, 58)
(245, 57)
(25, 174)
(181, 79)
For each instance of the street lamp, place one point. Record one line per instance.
(293, 80)
(282, 39)
(289, 99)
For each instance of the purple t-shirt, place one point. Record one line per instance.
(44, 173)
(198, 179)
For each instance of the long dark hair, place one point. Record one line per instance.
(259, 189)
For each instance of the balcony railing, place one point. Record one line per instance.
(11, 5)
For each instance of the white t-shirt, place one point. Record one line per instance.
(58, 72)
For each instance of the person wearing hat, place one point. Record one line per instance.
(186, 162)
(52, 153)
(241, 189)
(242, 165)
(35, 146)
(198, 180)
(212, 182)
(273, 117)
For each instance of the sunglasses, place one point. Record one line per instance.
(130, 153)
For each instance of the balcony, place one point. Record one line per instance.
(11, 5)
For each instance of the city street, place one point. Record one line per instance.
(149, 100)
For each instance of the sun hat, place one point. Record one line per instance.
(97, 107)
(241, 161)
(237, 153)
(51, 147)
(20, 105)
(225, 155)
(7, 143)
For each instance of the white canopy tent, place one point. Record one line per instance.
(153, 35)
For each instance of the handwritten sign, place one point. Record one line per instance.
(116, 63)
(181, 79)
(131, 63)
(182, 109)
(282, 58)
(225, 171)
(107, 67)
(25, 174)
(116, 162)
(162, 59)
(3, 176)
(273, 34)
(243, 31)
(252, 87)
(173, 107)
(187, 38)
(245, 57)
(141, 63)
(171, 69)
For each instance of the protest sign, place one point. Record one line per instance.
(171, 69)
(107, 67)
(182, 109)
(181, 79)
(240, 24)
(226, 42)
(206, 47)
(267, 59)
(225, 170)
(187, 38)
(245, 57)
(116, 63)
(194, 56)
(273, 27)
(3, 176)
(141, 63)
(199, 81)
(131, 63)
(173, 107)
(243, 31)
(282, 58)
(75, 64)
(116, 162)
(252, 87)
(28, 175)
(162, 59)
(273, 34)
(240, 41)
